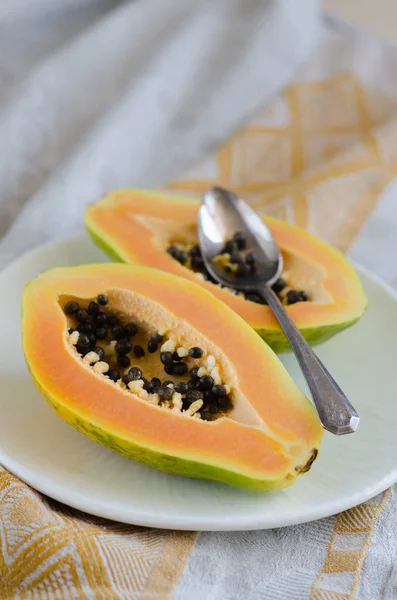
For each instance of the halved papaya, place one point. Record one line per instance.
(204, 397)
(138, 226)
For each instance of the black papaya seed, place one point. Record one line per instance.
(173, 251)
(181, 387)
(101, 333)
(206, 415)
(123, 347)
(139, 351)
(135, 373)
(166, 358)
(179, 368)
(153, 385)
(219, 390)
(165, 392)
(205, 383)
(112, 321)
(99, 351)
(209, 397)
(130, 329)
(156, 338)
(254, 298)
(85, 328)
(182, 257)
(84, 340)
(223, 402)
(101, 319)
(242, 270)
(240, 240)
(117, 332)
(126, 379)
(208, 277)
(152, 347)
(195, 251)
(113, 374)
(293, 297)
(197, 263)
(196, 352)
(123, 361)
(193, 372)
(83, 350)
(193, 395)
(71, 308)
(229, 247)
(82, 315)
(236, 258)
(93, 308)
(192, 384)
(156, 382)
(279, 285)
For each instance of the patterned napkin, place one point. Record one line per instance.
(319, 155)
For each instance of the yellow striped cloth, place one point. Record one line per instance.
(320, 156)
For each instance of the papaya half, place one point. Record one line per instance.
(160, 370)
(322, 290)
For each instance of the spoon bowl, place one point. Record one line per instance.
(221, 215)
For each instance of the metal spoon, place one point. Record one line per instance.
(220, 216)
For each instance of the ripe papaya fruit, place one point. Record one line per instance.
(321, 289)
(157, 368)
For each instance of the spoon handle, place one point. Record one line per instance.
(336, 413)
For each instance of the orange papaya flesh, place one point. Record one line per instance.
(136, 226)
(270, 435)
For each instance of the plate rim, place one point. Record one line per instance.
(183, 523)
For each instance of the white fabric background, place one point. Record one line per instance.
(129, 93)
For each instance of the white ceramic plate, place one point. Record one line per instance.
(37, 446)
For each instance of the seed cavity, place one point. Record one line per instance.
(188, 377)
(238, 258)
